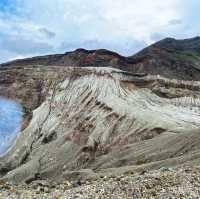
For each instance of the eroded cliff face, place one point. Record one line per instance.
(28, 85)
(91, 121)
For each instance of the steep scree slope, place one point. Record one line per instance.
(96, 121)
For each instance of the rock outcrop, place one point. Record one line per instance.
(100, 121)
(28, 85)
(94, 113)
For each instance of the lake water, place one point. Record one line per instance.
(10, 123)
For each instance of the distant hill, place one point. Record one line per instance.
(179, 59)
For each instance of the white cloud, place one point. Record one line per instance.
(115, 24)
(17, 57)
(139, 19)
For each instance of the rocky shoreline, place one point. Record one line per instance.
(164, 183)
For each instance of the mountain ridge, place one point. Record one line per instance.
(179, 59)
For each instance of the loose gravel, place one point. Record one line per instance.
(183, 183)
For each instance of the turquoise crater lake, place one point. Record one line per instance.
(10, 123)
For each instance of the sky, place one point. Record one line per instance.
(37, 27)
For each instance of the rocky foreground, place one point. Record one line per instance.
(163, 183)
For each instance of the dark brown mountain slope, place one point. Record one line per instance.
(79, 57)
(171, 58)
(179, 59)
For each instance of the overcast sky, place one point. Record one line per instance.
(37, 27)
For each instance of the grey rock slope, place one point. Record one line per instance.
(103, 121)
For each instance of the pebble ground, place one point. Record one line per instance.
(183, 183)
